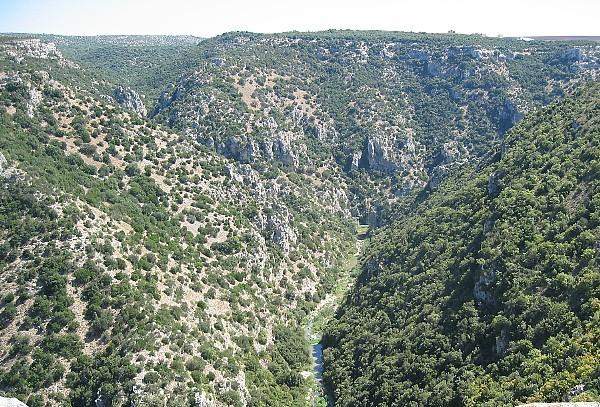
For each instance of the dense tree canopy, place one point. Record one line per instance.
(490, 293)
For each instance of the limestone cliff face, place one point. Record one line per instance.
(130, 99)
(247, 150)
(389, 153)
(508, 115)
(577, 59)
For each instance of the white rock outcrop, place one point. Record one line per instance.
(130, 99)
(11, 402)
(6, 171)
(37, 48)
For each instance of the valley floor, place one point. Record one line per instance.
(318, 318)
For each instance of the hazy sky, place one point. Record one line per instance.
(207, 18)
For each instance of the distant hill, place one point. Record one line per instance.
(566, 38)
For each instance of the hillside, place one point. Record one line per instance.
(139, 266)
(179, 216)
(396, 111)
(488, 294)
(146, 63)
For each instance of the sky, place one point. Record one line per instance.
(209, 18)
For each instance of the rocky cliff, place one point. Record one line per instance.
(401, 106)
(130, 99)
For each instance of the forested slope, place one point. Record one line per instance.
(137, 266)
(489, 294)
(173, 211)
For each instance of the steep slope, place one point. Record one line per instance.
(489, 294)
(395, 110)
(172, 259)
(136, 266)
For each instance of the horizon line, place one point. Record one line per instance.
(201, 36)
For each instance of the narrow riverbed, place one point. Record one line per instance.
(326, 397)
(317, 354)
(321, 395)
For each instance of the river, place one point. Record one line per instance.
(321, 395)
